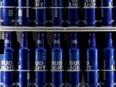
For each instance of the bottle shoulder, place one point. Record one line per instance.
(74, 49)
(108, 48)
(41, 49)
(24, 49)
(56, 48)
(8, 49)
(92, 48)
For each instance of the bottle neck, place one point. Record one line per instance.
(40, 40)
(56, 40)
(92, 40)
(40, 43)
(74, 40)
(56, 43)
(24, 42)
(7, 40)
(109, 40)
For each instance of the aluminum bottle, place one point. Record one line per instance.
(92, 62)
(24, 65)
(40, 62)
(74, 63)
(108, 62)
(7, 65)
(56, 64)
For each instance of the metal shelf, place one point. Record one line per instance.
(58, 29)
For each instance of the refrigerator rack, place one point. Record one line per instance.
(58, 29)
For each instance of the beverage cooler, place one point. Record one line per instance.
(57, 43)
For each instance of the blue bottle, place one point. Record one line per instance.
(40, 62)
(74, 63)
(92, 62)
(7, 13)
(57, 12)
(7, 65)
(73, 12)
(56, 63)
(107, 12)
(24, 65)
(40, 12)
(108, 62)
(23, 12)
(90, 12)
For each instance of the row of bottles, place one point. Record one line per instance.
(73, 72)
(19, 13)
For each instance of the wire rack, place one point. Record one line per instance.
(58, 29)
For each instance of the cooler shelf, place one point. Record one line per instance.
(58, 29)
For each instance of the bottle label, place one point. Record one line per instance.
(39, 3)
(10, 13)
(7, 41)
(56, 41)
(56, 9)
(27, 2)
(20, 13)
(39, 41)
(57, 65)
(88, 65)
(73, 3)
(91, 65)
(27, 12)
(111, 64)
(110, 3)
(74, 41)
(90, 3)
(111, 67)
(40, 65)
(7, 65)
(74, 65)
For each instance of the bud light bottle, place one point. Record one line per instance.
(40, 62)
(92, 63)
(7, 12)
(24, 66)
(56, 64)
(90, 12)
(7, 65)
(73, 12)
(56, 12)
(40, 12)
(108, 62)
(23, 12)
(107, 12)
(74, 63)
